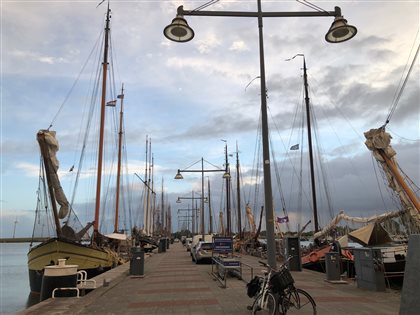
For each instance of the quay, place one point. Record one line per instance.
(173, 284)
(22, 239)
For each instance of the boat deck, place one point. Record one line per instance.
(173, 284)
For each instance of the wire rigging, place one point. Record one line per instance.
(205, 5)
(398, 94)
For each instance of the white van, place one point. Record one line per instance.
(208, 238)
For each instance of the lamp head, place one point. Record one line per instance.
(340, 31)
(178, 30)
(178, 200)
(226, 175)
(179, 175)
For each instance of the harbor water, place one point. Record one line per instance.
(14, 282)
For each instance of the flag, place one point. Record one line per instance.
(283, 219)
(111, 103)
(295, 147)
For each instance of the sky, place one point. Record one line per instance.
(187, 97)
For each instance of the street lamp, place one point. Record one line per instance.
(194, 215)
(340, 31)
(226, 175)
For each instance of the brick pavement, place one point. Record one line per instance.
(173, 284)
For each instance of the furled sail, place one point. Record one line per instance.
(49, 147)
(379, 142)
(251, 219)
(342, 216)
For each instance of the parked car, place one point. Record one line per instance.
(202, 251)
(199, 238)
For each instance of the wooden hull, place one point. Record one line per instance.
(93, 260)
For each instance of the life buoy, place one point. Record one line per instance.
(313, 257)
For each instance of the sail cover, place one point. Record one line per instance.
(371, 234)
(49, 147)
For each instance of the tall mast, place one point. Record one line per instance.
(394, 170)
(210, 209)
(228, 215)
(193, 214)
(120, 134)
(238, 192)
(162, 217)
(311, 156)
(146, 180)
(102, 125)
(153, 201)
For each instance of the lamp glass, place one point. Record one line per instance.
(179, 175)
(178, 30)
(340, 31)
(226, 175)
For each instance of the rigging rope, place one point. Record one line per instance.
(398, 94)
(74, 84)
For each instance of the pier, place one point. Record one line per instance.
(23, 239)
(173, 284)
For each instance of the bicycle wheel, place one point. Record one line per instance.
(266, 306)
(298, 301)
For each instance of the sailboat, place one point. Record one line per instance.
(95, 253)
(373, 234)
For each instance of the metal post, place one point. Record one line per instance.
(202, 198)
(269, 223)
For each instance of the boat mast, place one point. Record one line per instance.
(162, 217)
(120, 133)
(210, 209)
(101, 130)
(228, 212)
(146, 180)
(393, 168)
(153, 201)
(311, 156)
(238, 192)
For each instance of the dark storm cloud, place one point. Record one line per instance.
(217, 126)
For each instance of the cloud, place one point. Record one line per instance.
(239, 45)
(37, 57)
(209, 43)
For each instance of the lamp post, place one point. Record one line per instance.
(188, 210)
(194, 213)
(339, 31)
(202, 171)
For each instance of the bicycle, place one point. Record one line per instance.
(260, 287)
(278, 288)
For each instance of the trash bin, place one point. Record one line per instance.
(369, 269)
(293, 249)
(137, 262)
(162, 245)
(333, 266)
